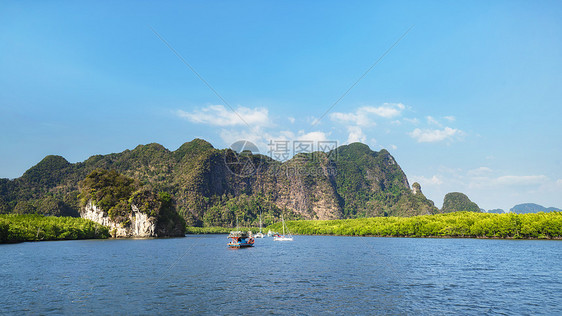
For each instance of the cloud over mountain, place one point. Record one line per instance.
(218, 115)
(435, 135)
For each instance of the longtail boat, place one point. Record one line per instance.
(240, 239)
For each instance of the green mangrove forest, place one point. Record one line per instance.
(31, 227)
(457, 224)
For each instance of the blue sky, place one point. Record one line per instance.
(469, 100)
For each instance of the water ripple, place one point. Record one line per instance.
(312, 275)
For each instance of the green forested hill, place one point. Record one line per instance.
(373, 184)
(458, 202)
(211, 190)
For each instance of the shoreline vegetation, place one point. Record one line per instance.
(20, 228)
(217, 230)
(31, 227)
(449, 225)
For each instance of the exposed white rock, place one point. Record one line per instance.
(416, 188)
(140, 224)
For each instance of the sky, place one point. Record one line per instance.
(466, 95)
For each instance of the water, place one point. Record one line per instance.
(311, 275)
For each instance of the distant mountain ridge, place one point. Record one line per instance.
(350, 181)
(532, 208)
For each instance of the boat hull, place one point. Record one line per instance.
(239, 245)
(282, 238)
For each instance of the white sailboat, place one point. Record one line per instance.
(283, 237)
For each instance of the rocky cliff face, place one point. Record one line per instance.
(136, 224)
(416, 188)
(306, 185)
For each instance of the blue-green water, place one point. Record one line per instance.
(311, 275)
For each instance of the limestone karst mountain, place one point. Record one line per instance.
(212, 186)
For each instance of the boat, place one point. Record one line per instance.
(272, 234)
(283, 237)
(260, 234)
(241, 239)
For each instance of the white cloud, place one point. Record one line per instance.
(479, 171)
(355, 135)
(559, 182)
(434, 135)
(315, 136)
(412, 120)
(393, 147)
(397, 105)
(218, 115)
(364, 116)
(432, 121)
(522, 180)
(312, 136)
(449, 118)
(230, 136)
(291, 119)
(435, 180)
(359, 119)
(387, 110)
(262, 139)
(480, 179)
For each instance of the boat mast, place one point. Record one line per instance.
(283, 219)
